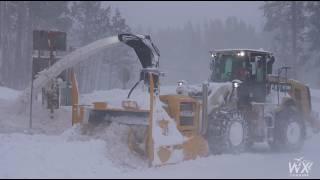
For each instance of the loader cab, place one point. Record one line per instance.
(242, 64)
(250, 66)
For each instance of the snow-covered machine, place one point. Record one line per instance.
(166, 130)
(259, 107)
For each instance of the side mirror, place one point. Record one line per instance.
(269, 65)
(272, 59)
(211, 54)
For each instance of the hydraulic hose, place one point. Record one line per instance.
(135, 85)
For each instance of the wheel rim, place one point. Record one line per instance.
(293, 133)
(236, 133)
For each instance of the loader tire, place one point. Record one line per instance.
(289, 132)
(227, 133)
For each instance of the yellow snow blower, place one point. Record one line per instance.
(168, 131)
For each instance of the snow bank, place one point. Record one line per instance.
(39, 156)
(315, 95)
(42, 156)
(8, 94)
(11, 121)
(105, 155)
(259, 163)
(115, 138)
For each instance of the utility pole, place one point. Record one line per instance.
(31, 98)
(294, 37)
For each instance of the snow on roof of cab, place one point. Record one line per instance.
(251, 50)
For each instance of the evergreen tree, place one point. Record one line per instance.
(18, 20)
(49, 15)
(119, 23)
(92, 22)
(313, 32)
(287, 20)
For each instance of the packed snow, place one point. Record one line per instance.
(55, 149)
(8, 94)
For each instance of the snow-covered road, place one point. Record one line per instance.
(58, 152)
(43, 156)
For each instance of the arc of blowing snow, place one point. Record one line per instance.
(66, 62)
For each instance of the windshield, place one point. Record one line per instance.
(228, 67)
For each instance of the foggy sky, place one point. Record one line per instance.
(161, 14)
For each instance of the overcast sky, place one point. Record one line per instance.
(161, 14)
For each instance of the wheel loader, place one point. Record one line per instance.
(165, 131)
(242, 104)
(259, 108)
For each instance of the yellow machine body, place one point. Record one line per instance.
(183, 117)
(185, 111)
(299, 95)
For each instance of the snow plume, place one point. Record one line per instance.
(66, 62)
(115, 137)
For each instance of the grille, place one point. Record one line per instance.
(186, 114)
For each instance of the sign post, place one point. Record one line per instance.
(31, 98)
(46, 42)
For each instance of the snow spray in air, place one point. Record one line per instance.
(66, 62)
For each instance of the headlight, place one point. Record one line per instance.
(235, 84)
(182, 83)
(242, 53)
